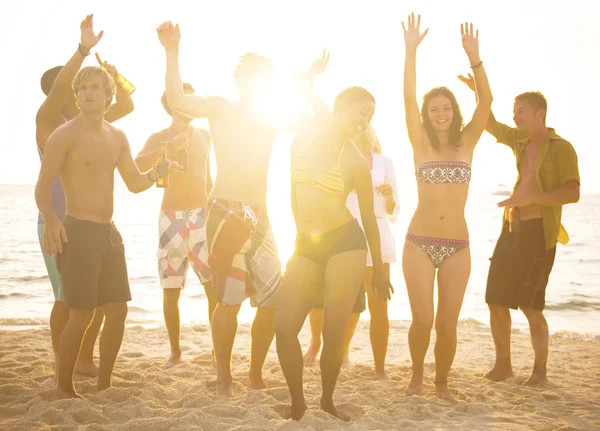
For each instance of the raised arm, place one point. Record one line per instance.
(57, 147)
(412, 39)
(192, 105)
(480, 85)
(123, 102)
(50, 111)
(364, 191)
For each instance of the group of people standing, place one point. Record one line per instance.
(343, 193)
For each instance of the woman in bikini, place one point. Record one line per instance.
(329, 261)
(437, 236)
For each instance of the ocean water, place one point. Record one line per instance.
(573, 294)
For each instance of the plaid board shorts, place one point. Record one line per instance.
(243, 255)
(182, 239)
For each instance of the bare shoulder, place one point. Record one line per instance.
(203, 134)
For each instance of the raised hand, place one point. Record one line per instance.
(169, 35)
(469, 80)
(320, 64)
(110, 68)
(470, 40)
(88, 38)
(413, 35)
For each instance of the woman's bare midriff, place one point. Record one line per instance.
(321, 212)
(440, 212)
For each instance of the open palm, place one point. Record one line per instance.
(413, 35)
(470, 39)
(88, 38)
(320, 64)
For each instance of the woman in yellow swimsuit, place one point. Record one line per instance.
(438, 238)
(329, 261)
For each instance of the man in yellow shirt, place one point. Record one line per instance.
(524, 254)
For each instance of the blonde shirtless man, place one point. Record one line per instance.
(84, 153)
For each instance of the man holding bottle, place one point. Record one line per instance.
(181, 222)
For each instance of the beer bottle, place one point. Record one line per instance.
(514, 220)
(124, 83)
(163, 181)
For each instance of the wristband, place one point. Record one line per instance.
(82, 50)
(477, 65)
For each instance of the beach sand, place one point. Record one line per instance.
(147, 397)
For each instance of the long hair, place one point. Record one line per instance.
(372, 144)
(457, 119)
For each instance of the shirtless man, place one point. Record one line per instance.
(524, 254)
(243, 255)
(59, 107)
(84, 152)
(181, 224)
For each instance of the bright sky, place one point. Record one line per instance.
(548, 45)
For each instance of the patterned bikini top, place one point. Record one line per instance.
(330, 182)
(439, 172)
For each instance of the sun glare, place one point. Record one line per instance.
(280, 98)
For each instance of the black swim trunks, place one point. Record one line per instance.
(92, 265)
(520, 268)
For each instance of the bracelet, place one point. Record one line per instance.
(150, 177)
(477, 65)
(82, 51)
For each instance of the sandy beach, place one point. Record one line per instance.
(147, 397)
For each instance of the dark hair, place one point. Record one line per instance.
(163, 99)
(48, 79)
(536, 100)
(457, 119)
(351, 95)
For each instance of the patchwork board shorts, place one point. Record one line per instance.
(243, 255)
(182, 240)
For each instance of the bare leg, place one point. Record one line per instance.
(85, 361)
(500, 323)
(263, 331)
(350, 330)
(316, 328)
(211, 296)
(58, 319)
(379, 329)
(453, 277)
(110, 341)
(70, 343)
(539, 339)
(343, 277)
(301, 280)
(224, 327)
(171, 314)
(419, 274)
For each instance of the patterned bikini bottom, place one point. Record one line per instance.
(438, 249)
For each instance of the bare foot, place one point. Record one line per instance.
(175, 359)
(297, 411)
(499, 373)
(415, 386)
(87, 369)
(443, 393)
(63, 395)
(381, 375)
(310, 358)
(332, 410)
(535, 380)
(101, 386)
(225, 389)
(256, 382)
